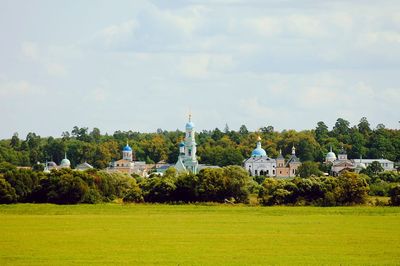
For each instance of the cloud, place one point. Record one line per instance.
(205, 65)
(19, 88)
(117, 33)
(56, 70)
(46, 60)
(30, 50)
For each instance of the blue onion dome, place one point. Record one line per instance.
(258, 151)
(127, 148)
(182, 144)
(189, 125)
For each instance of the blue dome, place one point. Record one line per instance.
(258, 152)
(127, 148)
(189, 125)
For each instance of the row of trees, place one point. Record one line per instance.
(216, 147)
(66, 186)
(231, 183)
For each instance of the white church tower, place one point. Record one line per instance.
(187, 160)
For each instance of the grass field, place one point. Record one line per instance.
(197, 235)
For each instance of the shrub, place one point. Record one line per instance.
(395, 195)
(7, 192)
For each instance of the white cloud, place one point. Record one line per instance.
(116, 33)
(57, 70)
(30, 50)
(18, 88)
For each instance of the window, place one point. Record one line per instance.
(255, 172)
(267, 172)
(273, 172)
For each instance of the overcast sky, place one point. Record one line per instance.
(142, 65)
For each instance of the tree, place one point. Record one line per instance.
(353, 188)
(394, 194)
(373, 169)
(15, 141)
(321, 131)
(243, 130)
(226, 129)
(7, 192)
(308, 168)
(364, 126)
(95, 135)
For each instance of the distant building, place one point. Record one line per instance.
(288, 169)
(65, 163)
(342, 163)
(259, 164)
(187, 160)
(83, 166)
(127, 165)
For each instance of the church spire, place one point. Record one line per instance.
(293, 150)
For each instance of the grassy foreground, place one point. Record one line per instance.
(197, 235)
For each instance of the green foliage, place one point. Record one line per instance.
(395, 195)
(373, 169)
(308, 169)
(7, 192)
(353, 188)
(347, 189)
(216, 147)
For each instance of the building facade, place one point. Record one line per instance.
(187, 160)
(342, 163)
(127, 164)
(288, 168)
(259, 164)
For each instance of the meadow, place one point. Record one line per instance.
(146, 234)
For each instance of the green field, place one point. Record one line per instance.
(197, 235)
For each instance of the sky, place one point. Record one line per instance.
(143, 65)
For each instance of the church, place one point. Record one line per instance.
(127, 164)
(187, 160)
(259, 164)
(342, 163)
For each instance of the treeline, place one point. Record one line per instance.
(230, 184)
(215, 147)
(67, 186)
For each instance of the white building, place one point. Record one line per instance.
(343, 163)
(259, 164)
(187, 160)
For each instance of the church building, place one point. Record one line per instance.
(187, 160)
(259, 164)
(127, 164)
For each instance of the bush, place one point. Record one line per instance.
(158, 189)
(380, 188)
(395, 195)
(7, 192)
(353, 189)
